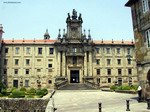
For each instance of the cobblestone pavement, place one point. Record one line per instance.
(87, 101)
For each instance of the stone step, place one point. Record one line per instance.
(76, 86)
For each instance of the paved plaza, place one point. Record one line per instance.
(87, 101)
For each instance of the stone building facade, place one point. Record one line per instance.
(72, 58)
(141, 25)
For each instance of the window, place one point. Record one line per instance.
(38, 60)
(27, 50)
(15, 71)
(97, 50)
(74, 50)
(39, 50)
(108, 61)
(147, 37)
(119, 71)
(119, 61)
(6, 50)
(145, 5)
(74, 60)
(5, 61)
(26, 83)
(128, 51)
(50, 81)
(50, 59)
(16, 61)
(5, 71)
(51, 50)
(108, 50)
(109, 80)
(27, 71)
(98, 71)
(49, 65)
(27, 62)
(118, 50)
(17, 50)
(129, 61)
(109, 71)
(97, 61)
(38, 70)
(129, 71)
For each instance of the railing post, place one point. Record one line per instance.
(128, 105)
(100, 107)
(148, 103)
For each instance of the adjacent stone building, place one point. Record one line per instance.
(74, 57)
(141, 25)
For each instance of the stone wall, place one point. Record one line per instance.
(23, 105)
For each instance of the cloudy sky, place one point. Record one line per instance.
(29, 19)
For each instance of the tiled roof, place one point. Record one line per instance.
(100, 42)
(113, 42)
(28, 41)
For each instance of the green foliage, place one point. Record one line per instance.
(39, 92)
(14, 88)
(4, 92)
(31, 91)
(113, 87)
(23, 89)
(30, 96)
(18, 94)
(134, 87)
(10, 96)
(9, 90)
(45, 91)
(1, 95)
(124, 87)
(2, 86)
(23, 93)
(37, 96)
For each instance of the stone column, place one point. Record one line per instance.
(90, 64)
(63, 64)
(85, 64)
(58, 63)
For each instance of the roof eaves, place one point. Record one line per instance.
(130, 2)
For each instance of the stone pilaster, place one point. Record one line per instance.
(63, 64)
(85, 64)
(90, 64)
(58, 63)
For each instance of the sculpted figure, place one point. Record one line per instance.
(74, 12)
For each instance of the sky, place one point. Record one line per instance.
(29, 19)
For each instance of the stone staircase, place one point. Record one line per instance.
(76, 86)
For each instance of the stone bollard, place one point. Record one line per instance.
(128, 105)
(100, 107)
(148, 103)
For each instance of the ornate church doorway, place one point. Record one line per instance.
(74, 76)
